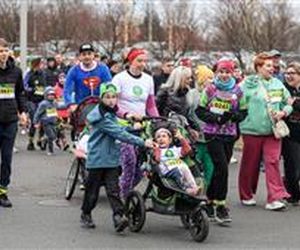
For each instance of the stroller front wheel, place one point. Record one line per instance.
(136, 211)
(199, 225)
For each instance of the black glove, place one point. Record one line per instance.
(239, 116)
(224, 118)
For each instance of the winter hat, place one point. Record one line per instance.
(49, 91)
(187, 62)
(203, 73)
(51, 59)
(226, 64)
(107, 88)
(61, 74)
(162, 130)
(134, 53)
(36, 62)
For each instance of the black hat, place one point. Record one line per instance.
(274, 53)
(51, 59)
(86, 47)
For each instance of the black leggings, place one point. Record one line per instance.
(220, 152)
(291, 156)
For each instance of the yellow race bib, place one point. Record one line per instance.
(51, 112)
(7, 91)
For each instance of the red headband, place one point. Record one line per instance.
(226, 64)
(134, 54)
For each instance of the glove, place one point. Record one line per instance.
(224, 118)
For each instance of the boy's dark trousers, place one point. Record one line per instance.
(96, 178)
(8, 133)
(32, 107)
(50, 132)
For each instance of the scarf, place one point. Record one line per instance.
(224, 86)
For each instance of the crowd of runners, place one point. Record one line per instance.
(221, 105)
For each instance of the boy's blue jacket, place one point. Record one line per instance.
(78, 81)
(105, 139)
(46, 113)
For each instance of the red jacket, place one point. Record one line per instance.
(62, 113)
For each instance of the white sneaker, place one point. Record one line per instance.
(233, 160)
(275, 206)
(250, 202)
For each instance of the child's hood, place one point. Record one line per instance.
(94, 115)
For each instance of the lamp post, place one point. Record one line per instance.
(23, 34)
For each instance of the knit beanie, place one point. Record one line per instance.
(226, 64)
(203, 73)
(107, 88)
(49, 91)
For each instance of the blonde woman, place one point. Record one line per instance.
(172, 95)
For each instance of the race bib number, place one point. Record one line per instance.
(276, 95)
(39, 90)
(51, 112)
(7, 91)
(220, 106)
(173, 163)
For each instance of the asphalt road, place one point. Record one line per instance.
(41, 218)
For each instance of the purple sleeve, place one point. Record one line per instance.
(151, 108)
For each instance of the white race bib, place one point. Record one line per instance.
(7, 91)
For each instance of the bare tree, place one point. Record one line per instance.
(158, 46)
(254, 25)
(182, 25)
(9, 20)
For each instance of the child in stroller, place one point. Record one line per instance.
(168, 191)
(168, 158)
(80, 150)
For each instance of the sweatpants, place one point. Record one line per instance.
(291, 157)
(256, 148)
(50, 132)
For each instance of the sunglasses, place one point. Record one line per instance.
(291, 73)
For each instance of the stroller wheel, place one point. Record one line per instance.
(72, 179)
(136, 211)
(199, 225)
(185, 220)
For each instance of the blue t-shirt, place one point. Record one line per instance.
(85, 83)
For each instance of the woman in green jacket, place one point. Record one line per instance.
(267, 101)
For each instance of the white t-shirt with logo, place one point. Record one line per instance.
(133, 92)
(170, 158)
